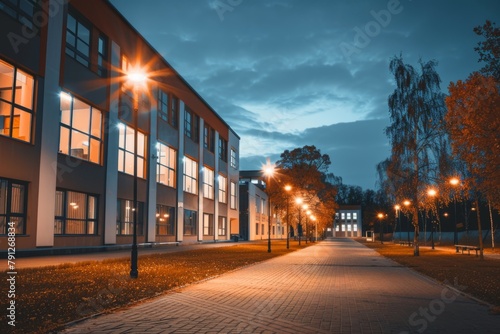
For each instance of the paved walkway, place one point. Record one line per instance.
(336, 286)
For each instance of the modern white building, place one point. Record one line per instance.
(348, 221)
(81, 141)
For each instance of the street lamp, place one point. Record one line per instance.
(432, 193)
(397, 208)
(313, 218)
(381, 217)
(268, 171)
(299, 201)
(308, 213)
(407, 203)
(287, 189)
(136, 78)
(455, 182)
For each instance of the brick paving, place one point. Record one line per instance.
(336, 286)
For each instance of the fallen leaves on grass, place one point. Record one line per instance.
(49, 297)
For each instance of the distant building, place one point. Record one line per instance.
(348, 221)
(254, 209)
(71, 128)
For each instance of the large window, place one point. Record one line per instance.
(233, 196)
(174, 112)
(22, 10)
(75, 213)
(222, 225)
(126, 151)
(257, 204)
(16, 102)
(13, 199)
(165, 220)
(208, 224)
(208, 183)
(234, 159)
(222, 189)
(78, 40)
(223, 149)
(208, 138)
(190, 176)
(81, 129)
(190, 222)
(166, 166)
(125, 217)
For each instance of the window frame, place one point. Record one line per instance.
(73, 49)
(222, 225)
(170, 166)
(7, 206)
(208, 138)
(192, 227)
(223, 149)
(208, 182)
(21, 15)
(193, 179)
(168, 224)
(234, 158)
(208, 224)
(72, 130)
(233, 194)
(129, 222)
(15, 109)
(222, 189)
(123, 152)
(65, 218)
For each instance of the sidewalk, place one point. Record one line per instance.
(336, 286)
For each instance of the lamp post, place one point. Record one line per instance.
(455, 182)
(268, 171)
(398, 223)
(381, 217)
(136, 78)
(287, 189)
(313, 218)
(299, 226)
(407, 203)
(432, 193)
(305, 207)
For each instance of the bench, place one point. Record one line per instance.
(405, 243)
(468, 248)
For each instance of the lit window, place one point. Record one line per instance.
(165, 220)
(233, 196)
(208, 224)
(80, 129)
(354, 215)
(208, 183)
(222, 225)
(78, 40)
(222, 189)
(125, 217)
(165, 171)
(190, 176)
(75, 213)
(16, 102)
(13, 199)
(126, 151)
(348, 216)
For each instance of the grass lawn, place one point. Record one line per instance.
(475, 277)
(49, 297)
